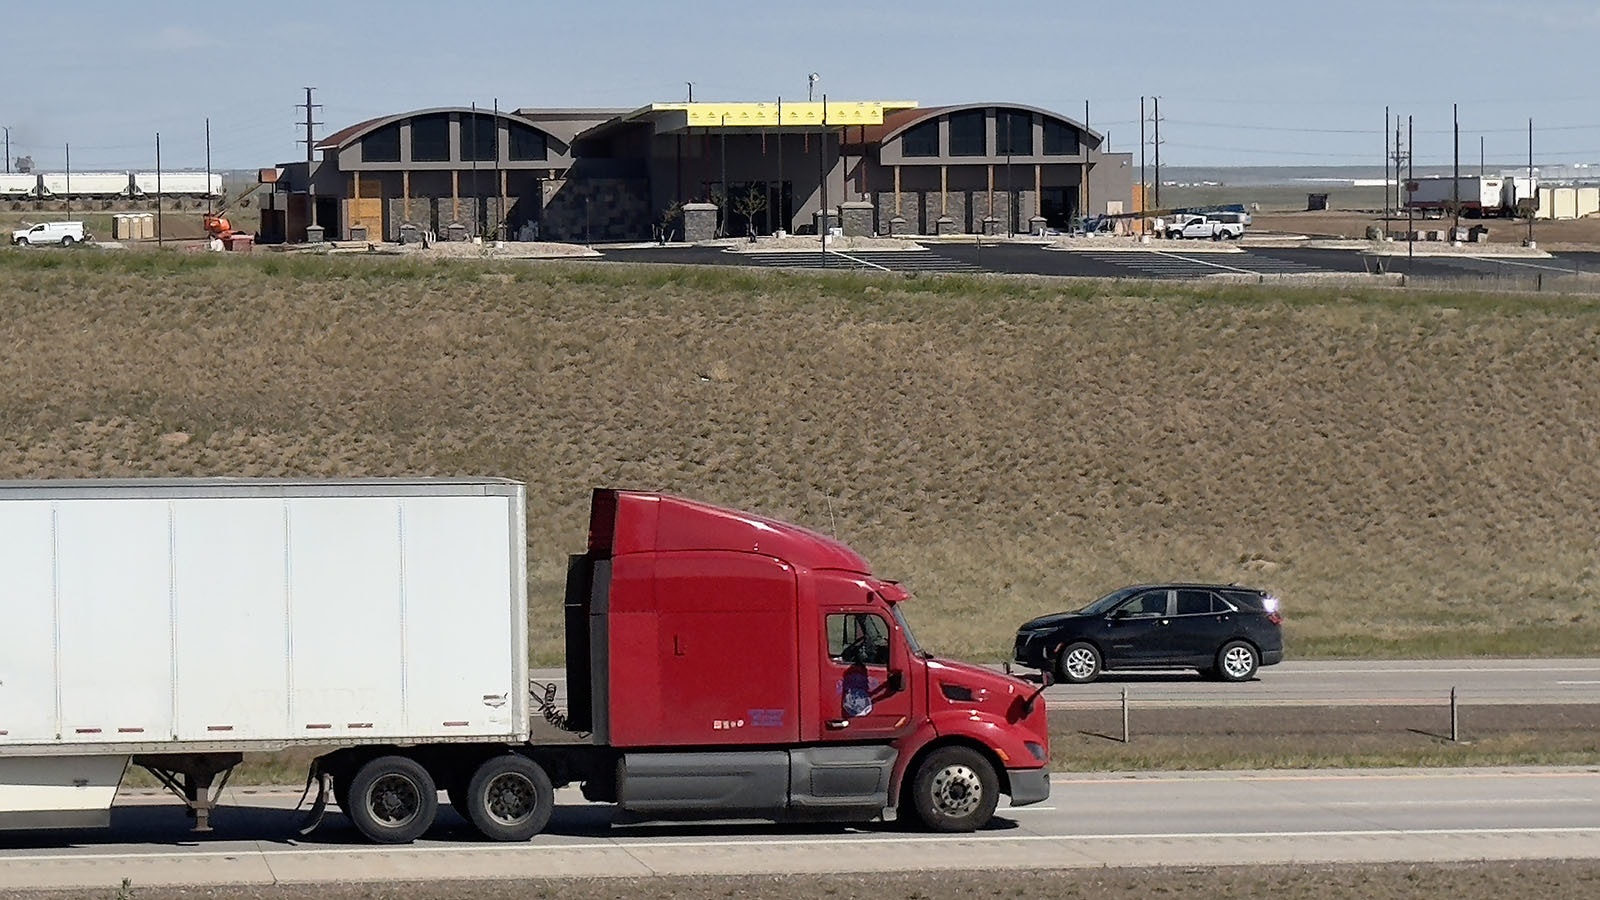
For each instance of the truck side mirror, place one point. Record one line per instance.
(896, 682)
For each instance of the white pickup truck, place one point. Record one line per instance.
(1197, 226)
(64, 233)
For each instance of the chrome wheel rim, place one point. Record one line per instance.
(1080, 663)
(1237, 661)
(510, 798)
(394, 800)
(957, 791)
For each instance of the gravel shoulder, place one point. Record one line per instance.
(1472, 881)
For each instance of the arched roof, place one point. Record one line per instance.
(896, 123)
(348, 135)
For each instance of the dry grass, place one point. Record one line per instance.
(1413, 473)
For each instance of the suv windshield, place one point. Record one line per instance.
(1106, 603)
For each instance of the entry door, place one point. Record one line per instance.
(1141, 628)
(1059, 206)
(858, 700)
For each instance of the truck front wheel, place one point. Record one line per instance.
(956, 790)
(393, 800)
(510, 798)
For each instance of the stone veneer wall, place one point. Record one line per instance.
(618, 209)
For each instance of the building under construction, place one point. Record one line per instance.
(697, 170)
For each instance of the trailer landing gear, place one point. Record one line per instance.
(189, 776)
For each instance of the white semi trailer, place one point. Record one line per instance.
(177, 624)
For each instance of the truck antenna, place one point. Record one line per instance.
(832, 525)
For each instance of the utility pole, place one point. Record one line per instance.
(822, 171)
(1144, 184)
(209, 210)
(158, 189)
(1455, 187)
(1401, 156)
(722, 153)
(1410, 210)
(499, 181)
(1386, 172)
(1157, 116)
(8, 149)
(310, 141)
(477, 194)
(1534, 206)
(69, 178)
(785, 224)
(1085, 151)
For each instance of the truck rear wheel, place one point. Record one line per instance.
(956, 790)
(393, 800)
(510, 798)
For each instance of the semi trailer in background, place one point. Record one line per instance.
(719, 664)
(1479, 196)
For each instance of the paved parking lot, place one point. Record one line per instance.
(1154, 263)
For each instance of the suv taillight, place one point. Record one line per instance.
(1275, 618)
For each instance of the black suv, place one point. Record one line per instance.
(1224, 630)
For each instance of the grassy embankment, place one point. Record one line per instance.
(1413, 473)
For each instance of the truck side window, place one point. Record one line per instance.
(858, 638)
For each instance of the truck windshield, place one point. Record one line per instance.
(905, 629)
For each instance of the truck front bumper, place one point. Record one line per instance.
(1029, 785)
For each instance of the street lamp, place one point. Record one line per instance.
(723, 213)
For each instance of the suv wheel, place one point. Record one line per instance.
(1079, 663)
(1237, 661)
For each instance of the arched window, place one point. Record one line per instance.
(527, 143)
(922, 140)
(430, 138)
(1014, 132)
(478, 138)
(382, 145)
(969, 133)
(1060, 139)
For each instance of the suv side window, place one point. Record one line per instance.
(1149, 603)
(1193, 602)
(1244, 600)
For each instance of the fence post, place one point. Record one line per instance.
(1455, 718)
(1125, 714)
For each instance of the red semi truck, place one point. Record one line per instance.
(719, 664)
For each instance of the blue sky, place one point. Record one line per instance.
(1241, 82)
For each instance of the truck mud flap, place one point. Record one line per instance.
(319, 806)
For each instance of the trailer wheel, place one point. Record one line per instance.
(510, 798)
(956, 789)
(393, 800)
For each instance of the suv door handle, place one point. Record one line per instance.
(838, 724)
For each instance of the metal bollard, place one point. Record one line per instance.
(1455, 718)
(1125, 714)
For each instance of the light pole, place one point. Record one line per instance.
(8, 149)
(723, 213)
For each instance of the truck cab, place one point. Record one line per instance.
(737, 666)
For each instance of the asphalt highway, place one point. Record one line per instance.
(1089, 821)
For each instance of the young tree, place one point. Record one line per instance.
(750, 204)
